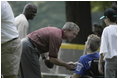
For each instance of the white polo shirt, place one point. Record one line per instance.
(8, 28)
(22, 25)
(109, 42)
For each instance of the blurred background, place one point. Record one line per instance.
(56, 13)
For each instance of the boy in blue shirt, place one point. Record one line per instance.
(84, 63)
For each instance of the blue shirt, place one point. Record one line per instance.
(84, 63)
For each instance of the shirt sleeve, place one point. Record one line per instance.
(104, 42)
(54, 45)
(82, 67)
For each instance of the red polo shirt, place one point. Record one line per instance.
(47, 39)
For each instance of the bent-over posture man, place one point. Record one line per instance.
(44, 40)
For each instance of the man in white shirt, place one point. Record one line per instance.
(108, 48)
(10, 43)
(21, 21)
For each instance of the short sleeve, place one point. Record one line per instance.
(82, 66)
(54, 45)
(104, 42)
(79, 69)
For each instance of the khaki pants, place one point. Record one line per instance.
(10, 57)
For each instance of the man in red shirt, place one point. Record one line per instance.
(44, 40)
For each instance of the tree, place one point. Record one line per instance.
(79, 12)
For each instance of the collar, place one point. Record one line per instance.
(62, 34)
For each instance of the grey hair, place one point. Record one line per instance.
(70, 26)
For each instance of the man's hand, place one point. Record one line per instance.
(71, 66)
(48, 63)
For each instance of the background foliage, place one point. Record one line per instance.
(52, 13)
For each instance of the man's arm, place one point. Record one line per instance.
(62, 63)
(100, 67)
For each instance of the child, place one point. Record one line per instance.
(84, 63)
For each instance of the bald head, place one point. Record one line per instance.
(30, 11)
